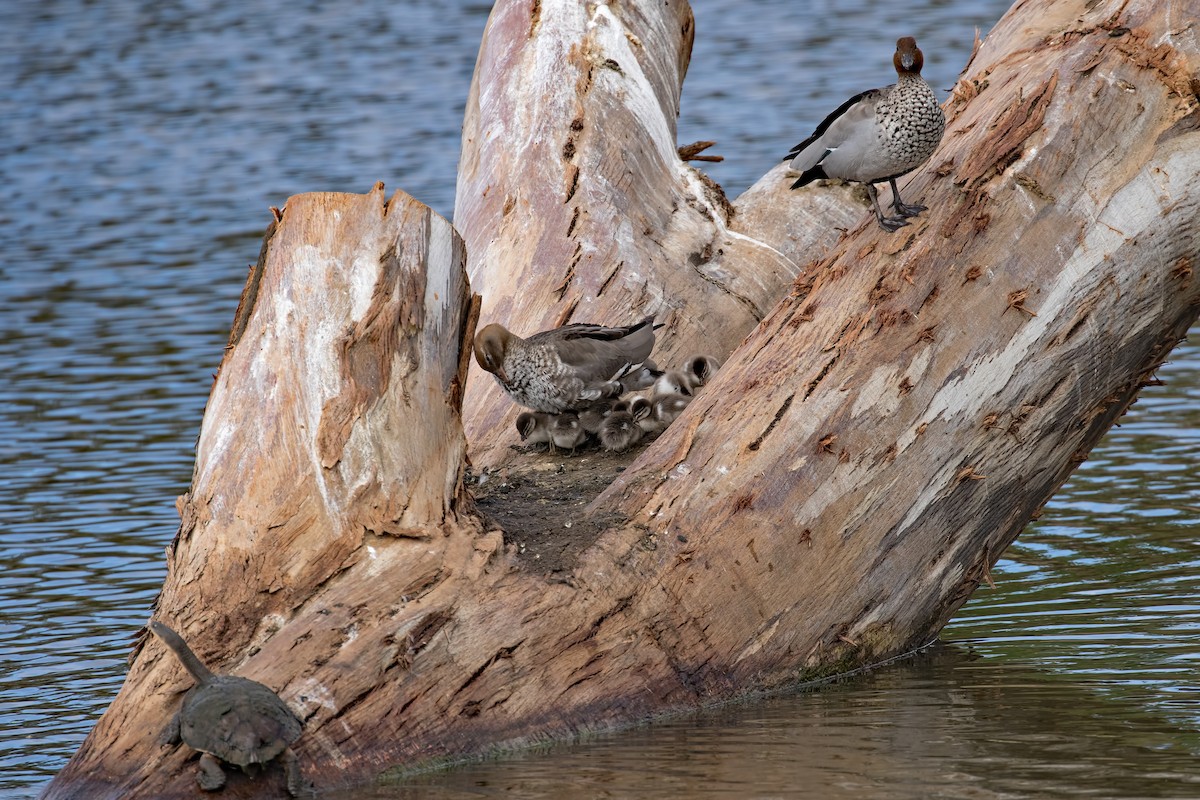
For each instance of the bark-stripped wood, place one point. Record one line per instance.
(331, 450)
(828, 501)
(576, 207)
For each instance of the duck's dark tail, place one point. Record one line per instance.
(809, 175)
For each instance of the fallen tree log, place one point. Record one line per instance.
(829, 501)
(331, 448)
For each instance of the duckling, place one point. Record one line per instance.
(535, 427)
(567, 433)
(668, 407)
(641, 378)
(700, 370)
(592, 417)
(620, 431)
(642, 411)
(674, 381)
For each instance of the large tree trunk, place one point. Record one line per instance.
(575, 206)
(331, 451)
(828, 502)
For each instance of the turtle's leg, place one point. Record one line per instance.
(170, 734)
(209, 775)
(291, 767)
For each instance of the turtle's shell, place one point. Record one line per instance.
(237, 720)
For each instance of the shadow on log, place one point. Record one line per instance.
(905, 405)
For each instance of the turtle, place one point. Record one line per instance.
(230, 719)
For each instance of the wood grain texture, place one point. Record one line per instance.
(869, 449)
(880, 439)
(331, 447)
(576, 207)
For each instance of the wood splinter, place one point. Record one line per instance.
(691, 152)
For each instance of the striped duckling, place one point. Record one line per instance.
(567, 368)
(566, 432)
(592, 417)
(668, 407)
(675, 381)
(700, 370)
(878, 135)
(620, 430)
(535, 427)
(642, 411)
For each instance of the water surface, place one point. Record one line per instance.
(141, 145)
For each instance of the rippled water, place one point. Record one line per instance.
(141, 145)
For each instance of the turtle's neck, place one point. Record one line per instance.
(190, 662)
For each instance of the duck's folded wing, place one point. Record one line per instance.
(602, 358)
(834, 130)
(585, 330)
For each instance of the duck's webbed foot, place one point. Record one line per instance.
(902, 208)
(889, 224)
(892, 224)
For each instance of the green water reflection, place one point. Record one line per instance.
(949, 723)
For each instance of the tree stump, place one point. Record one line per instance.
(900, 407)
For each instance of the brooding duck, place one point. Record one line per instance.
(878, 135)
(567, 368)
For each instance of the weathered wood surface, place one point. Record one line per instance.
(889, 429)
(576, 207)
(331, 450)
(829, 501)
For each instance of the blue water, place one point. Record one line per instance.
(141, 145)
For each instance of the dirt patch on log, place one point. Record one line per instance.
(540, 503)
